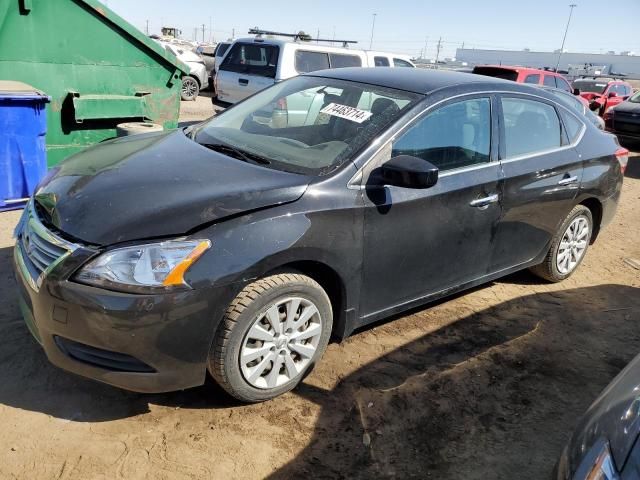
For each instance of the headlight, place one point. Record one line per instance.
(603, 467)
(144, 268)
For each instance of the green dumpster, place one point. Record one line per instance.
(98, 69)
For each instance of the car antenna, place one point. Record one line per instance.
(304, 37)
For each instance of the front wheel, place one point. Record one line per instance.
(190, 88)
(568, 247)
(271, 336)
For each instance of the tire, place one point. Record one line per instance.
(134, 128)
(556, 267)
(261, 304)
(190, 88)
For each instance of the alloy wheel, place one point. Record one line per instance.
(573, 245)
(280, 343)
(189, 87)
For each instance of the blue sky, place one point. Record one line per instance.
(404, 25)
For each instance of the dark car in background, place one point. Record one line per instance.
(240, 246)
(602, 93)
(623, 120)
(605, 444)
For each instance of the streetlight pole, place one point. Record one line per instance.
(373, 26)
(572, 6)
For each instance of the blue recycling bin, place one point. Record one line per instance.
(23, 155)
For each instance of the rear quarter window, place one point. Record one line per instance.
(572, 126)
(252, 59)
(496, 72)
(550, 81)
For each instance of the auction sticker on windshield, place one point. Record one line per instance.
(346, 112)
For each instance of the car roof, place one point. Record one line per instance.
(415, 80)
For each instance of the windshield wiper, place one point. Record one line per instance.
(237, 153)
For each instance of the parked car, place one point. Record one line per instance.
(532, 76)
(197, 79)
(252, 64)
(605, 443)
(208, 55)
(623, 120)
(602, 93)
(578, 104)
(219, 53)
(238, 247)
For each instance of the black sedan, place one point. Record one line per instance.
(624, 119)
(317, 206)
(605, 444)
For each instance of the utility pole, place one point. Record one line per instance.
(426, 41)
(210, 30)
(195, 34)
(373, 26)
(572, 6)
(233, 33)
(318, 36)
(334, 32)
(147, 29)
(438, 50)
(203, 29)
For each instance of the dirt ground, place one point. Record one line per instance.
(486, 385)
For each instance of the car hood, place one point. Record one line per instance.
(155, 185)
(613, 416)
(628, 107)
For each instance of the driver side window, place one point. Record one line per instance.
(454, 136)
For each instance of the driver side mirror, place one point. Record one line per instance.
(576, 91)
(407, 171)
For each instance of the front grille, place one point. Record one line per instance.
(38, 249)
(97, 357)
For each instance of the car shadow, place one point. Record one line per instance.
(493, 395)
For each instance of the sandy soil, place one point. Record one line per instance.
(487, 385)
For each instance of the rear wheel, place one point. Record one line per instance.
(272, 334)
(190, 88)
(568, 247)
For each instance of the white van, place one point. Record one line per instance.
(252, 64)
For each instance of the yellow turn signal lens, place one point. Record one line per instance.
(176, 275)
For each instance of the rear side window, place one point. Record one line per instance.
(252, 59)
(572, 125)
(550, 81)
(529, 127)
(454, 136)
(398, 62)
(535, 79)
(340, 60)
(381, 61)
(311, 61)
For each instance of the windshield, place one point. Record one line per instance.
(307, 125)
(635, 98)
(591, 86)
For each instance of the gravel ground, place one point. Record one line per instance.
(487, 384)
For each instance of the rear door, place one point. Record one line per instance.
(246, 69)
(542, 173)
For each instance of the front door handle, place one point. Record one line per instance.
(243, 81)
(568, 180)
(484, 202)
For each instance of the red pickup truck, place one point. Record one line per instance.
(524, 75)
(603, 93)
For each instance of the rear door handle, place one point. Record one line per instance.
(484, 202)
(243, 81)
(568, 181)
